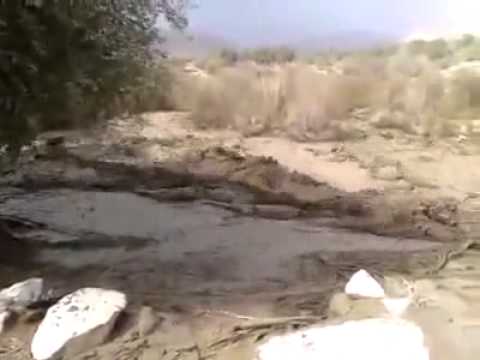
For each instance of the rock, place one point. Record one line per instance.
(399, 185)
(397, 287)
(387, 119)
(397, 306)
(366, 308)
(443, 211)
(461, 138)
(147, 321)
(387, 135)
(23, 294)
(76, 323)
(15, 300)
(340, 305)
(384, 168)
(362, 284)
(387, 173)
(4, 318)
(372, 339)
(414, 177)
(381, 119)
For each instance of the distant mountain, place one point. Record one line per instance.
(201, 44)
(189, 45)
(354, 40)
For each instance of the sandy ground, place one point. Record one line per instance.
(204, 226)
(347, 165)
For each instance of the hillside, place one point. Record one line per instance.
(197, 45)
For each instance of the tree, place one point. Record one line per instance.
(62, 63)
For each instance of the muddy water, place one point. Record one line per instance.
(149, 248)
(183, 256)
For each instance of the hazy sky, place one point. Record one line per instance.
(250, 22)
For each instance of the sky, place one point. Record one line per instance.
(259, 22)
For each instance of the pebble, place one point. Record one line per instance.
(147, 321)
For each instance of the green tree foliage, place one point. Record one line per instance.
(67, 62)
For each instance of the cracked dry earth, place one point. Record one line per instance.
(231, 239)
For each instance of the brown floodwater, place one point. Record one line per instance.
(146, 247)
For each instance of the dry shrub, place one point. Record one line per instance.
(234, 97)
(409, 93)
(270, 55)
(304, 109)
(461, 104)
(371, 66)
(413, 94)
(207, 95)
(293, 98)
(434, 50)
(317, 104)
(214, 64)
(464, 94)
(230, 56)
(405, 64)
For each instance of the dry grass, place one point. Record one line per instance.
(309, 101)
(292, 98)
(465, 94)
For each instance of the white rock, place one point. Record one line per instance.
(364, 285)
(23, 293)
(77, 322)
(372, 339)
(397, 306)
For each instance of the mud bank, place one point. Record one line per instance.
(250, 186)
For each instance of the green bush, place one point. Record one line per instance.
(66, 63)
